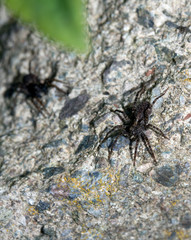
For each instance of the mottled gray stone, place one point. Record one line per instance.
(144, 17)
(86, 143)
(51, 171)
(55, 143)
(42, 206)
(186, 220)
(47, 191)
(168, 55)
(167, 176)
(72, 106)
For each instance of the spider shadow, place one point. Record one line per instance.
(33, 89)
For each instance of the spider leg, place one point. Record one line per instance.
(125, 116)
(148, 146)
(157, 130)
(130, 146)
(117, 112)
(37, 107)
(135, 152)
(131, 149)
(30, 66)
(139, 93)
(48, 81)
(54, 68)
(110, 148)
(109, 134)
(154, 101)
(59, 89)
(56, 80)
(43, 107)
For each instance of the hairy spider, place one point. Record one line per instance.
(135, 122)
(33, 88)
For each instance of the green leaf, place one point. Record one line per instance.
(60, 20)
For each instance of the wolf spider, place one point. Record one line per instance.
(135, 122)
(33, 88)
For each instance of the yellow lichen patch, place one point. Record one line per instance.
(186, 75)
(32, 210)
(182, 235)
(167, 233)
(173, 203)
(187, 79)
(91, 232)
(90, 189)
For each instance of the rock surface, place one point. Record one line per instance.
(54, 184)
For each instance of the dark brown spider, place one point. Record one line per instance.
(33, 88)
(135, 122)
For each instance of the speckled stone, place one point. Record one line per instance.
(167, 176)
(186, 220)
(54, 183)
(72, 106)
(42, 206)
(49, 172)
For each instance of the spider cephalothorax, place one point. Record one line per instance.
(135, 122)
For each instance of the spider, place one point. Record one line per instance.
(33, 88)
(135, 122)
